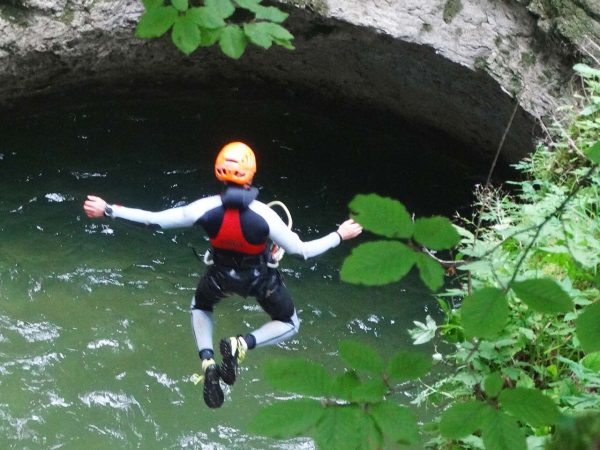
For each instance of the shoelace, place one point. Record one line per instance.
(241, 349)
(197, 378)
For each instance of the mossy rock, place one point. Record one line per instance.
(318, 6)
(451, 10)
(570, 23)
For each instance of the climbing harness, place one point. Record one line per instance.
(275, 252)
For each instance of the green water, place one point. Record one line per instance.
(96, 349)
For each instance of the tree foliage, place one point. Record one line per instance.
(386, 261)
(521, 322)
(348, 411)
(233, 24)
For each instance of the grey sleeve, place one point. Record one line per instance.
(290, 241)
(180, 217)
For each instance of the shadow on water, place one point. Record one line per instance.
(95, 343)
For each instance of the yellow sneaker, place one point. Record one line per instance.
(213, 394)
(233, 350)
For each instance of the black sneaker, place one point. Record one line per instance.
(233, 350)
(213, 394)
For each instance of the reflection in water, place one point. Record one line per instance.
(95, 341)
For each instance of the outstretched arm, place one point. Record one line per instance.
(184, 216)
(349, 229)
(291, 242)
(94, 206)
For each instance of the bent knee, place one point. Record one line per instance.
(295, 322)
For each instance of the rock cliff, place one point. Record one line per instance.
(457, 65)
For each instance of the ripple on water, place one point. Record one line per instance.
(120, 401)
(358, 325)
(55, 197)
(30, 331)
(161, 378)
(40, 361)
(56, 400)
(92, 277)
(17, 427)
(86, 175)
(100, 343)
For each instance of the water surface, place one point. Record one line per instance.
(96, 349)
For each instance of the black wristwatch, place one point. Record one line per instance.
(108, 211)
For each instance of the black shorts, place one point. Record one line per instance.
(262, 282)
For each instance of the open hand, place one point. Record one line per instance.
(94, 206)
(349, 229)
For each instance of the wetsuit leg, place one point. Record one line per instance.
(202, 326)
(274, 297)
(276, 331)
(208, 293)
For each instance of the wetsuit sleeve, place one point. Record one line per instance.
(290, 241)
(180, 217)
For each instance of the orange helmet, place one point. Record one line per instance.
(235, 163)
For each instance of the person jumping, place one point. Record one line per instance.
(239, 229)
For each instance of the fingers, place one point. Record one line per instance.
(350, 229)
(94, 206)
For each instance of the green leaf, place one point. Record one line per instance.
(436, 233)
(398, 423)
(543, 295)
(151, 4)
(530, 406)
(224, 8)
(370, 391)
(462, 419)
(299, 376)
(484, 313)
(233, 41)
(284, 43)
(258, 35)
(180, 5)
(493, 384)
(156, 22)
(377, 263)
(592, 361)
(501, 432)
(587, 328)
(344, 384)
(278, 32)
(270, 13)
(360, 356)
(301, 415)
(209, 37)
(186, 35)
(586, 71)
(382, 215)
(593, 153)
(207, 18)
(250, 5)
(407, 365)
(344, 428)
(431, 272)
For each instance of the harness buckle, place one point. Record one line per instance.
(208, 258)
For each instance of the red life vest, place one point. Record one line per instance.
(231, 238)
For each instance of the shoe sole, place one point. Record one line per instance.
(228, 364)
(213, 394)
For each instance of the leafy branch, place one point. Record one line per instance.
(348, 411)
(387, 261)
(216, 21)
